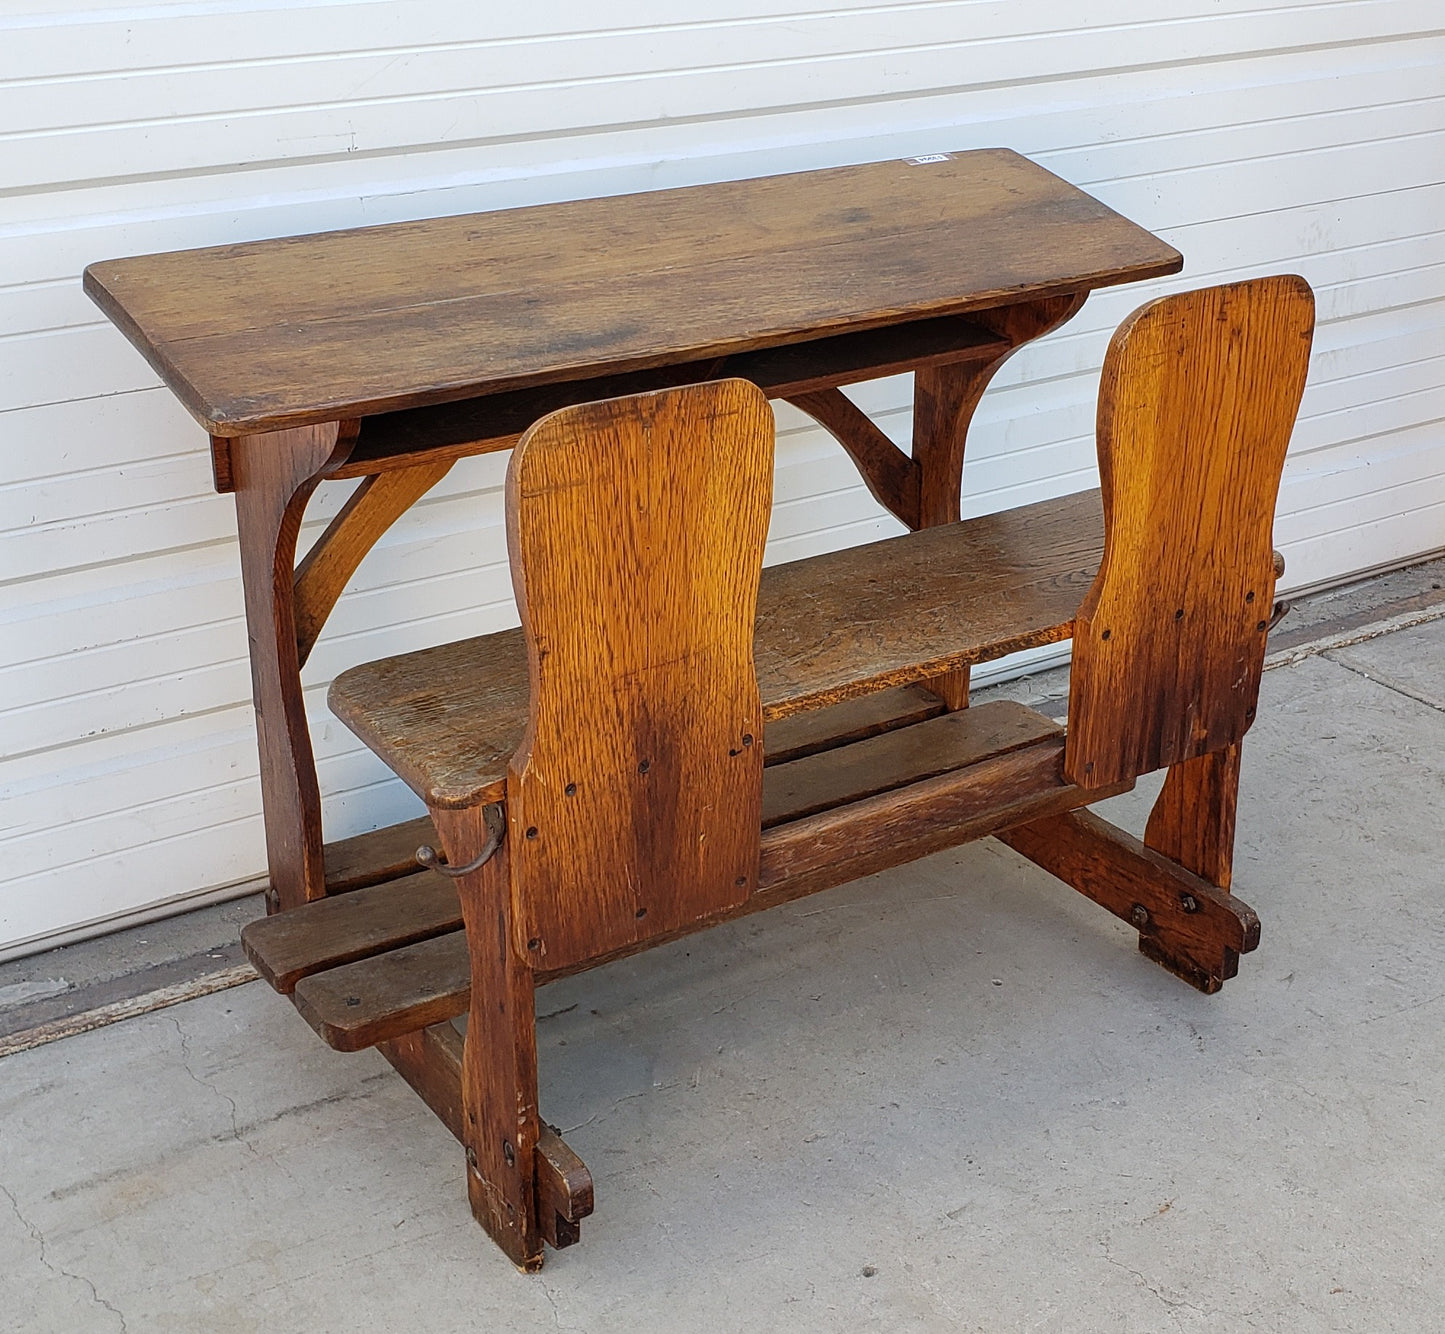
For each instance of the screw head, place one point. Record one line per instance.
(1189, 903)
(1139, 915)
(509, 1153)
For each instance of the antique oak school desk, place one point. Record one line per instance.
(387, 353)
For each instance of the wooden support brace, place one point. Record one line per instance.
(1187, 925)
(889, 474)
(370, 510)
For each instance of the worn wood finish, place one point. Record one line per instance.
(499, 1058)
(390, 853)
(636, 528)
(835, 725)
(1193, 928)
(286, 947)
(430, 1060)
(565, 1194)
(496, 421)
(378, 856)
(308, 329)
(830, 628)
(897, 758)
(393, 905)
(369, 511)
(1011, 774)
(275, 477)
(1192, 821)
(1196, 406)
(889, 474)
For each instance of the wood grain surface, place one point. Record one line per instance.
(1196, 406)
(307, 329)
(830, 628)
(636, 528)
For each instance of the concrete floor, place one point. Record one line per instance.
(951, 1097)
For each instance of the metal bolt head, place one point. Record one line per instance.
(1189, 903)
(509, 1153)
(1139, 915)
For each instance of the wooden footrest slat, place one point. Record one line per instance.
(864, 806)
(289, 946)
(401, 907)
(376, 857)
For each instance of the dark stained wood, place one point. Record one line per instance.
(496, 421)
(889, 474)
(1195, 929)
(1012, 775)
(275, 476)
(500, 1121)
(369, 511)
(286, 947)
(358, 1005)
(1192, 822)
(830, 628)
(378, 856)
(897, 758)
(946, 396)
(290, 332)
(565, 1194)
(636, 528)
(835, 725)
(1196, 405)
(430, 1060)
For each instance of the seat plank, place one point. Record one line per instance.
(362, 1003)
(831, 628)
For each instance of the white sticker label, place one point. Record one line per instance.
(927, 158)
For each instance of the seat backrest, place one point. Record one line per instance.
(1196, 405)
(636, 529)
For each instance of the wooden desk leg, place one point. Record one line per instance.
(944, 401)
(274, 476)
(1192, 823)
(499, 1061)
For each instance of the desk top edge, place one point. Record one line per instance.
(206, 367)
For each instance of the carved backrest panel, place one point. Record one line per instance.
(636, 528)
(1197, 402)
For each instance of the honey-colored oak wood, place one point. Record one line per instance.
(636, 528)
(830, 628)
(1196, 405)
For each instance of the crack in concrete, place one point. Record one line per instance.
(207, 1085)
(1387, 682)
(38, 1237)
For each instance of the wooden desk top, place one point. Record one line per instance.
(272, 334)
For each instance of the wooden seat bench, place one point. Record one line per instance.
(676, 737)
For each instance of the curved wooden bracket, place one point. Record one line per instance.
(946, 397)
(371, 509)
(889, 474)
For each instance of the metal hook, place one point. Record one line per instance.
(426, 855)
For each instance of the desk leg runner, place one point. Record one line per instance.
(274, 476)
(499, 1062)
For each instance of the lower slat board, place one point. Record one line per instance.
(361, 1003)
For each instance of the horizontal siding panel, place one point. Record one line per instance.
(1255, 136)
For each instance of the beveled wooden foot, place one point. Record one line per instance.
(1194, 929)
